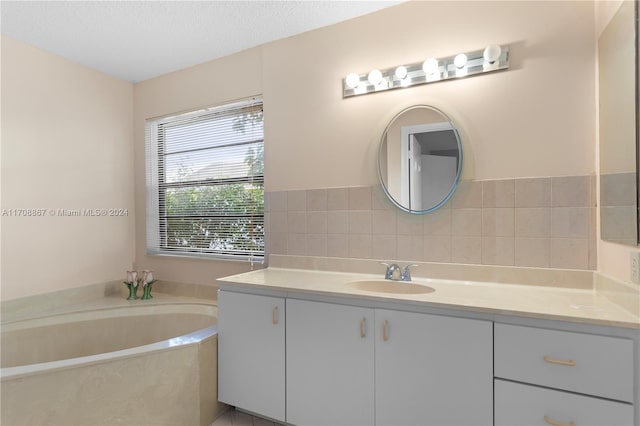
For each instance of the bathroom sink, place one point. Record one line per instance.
(388, 286)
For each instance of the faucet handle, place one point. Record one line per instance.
(406, 272)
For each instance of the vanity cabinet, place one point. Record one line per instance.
(251, 353)
(403, 368)
(433, 370)
(563, 378)
(330, 350)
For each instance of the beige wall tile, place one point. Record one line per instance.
(437, 249)
(437, 222)
(466, 222)
(297, 222)
(467, 195)
(532, 252)
(360, 246)
(409, 224)
(297, 200)
(498, 193)
(316, 199)
(383, 222)
(466, 249)
(410, 247)
(572, 222)
(498, 251)
(384, 247)
(533, 192)
(317, 244)
(278, 201)
(337, 199)
(572, 253)
(618, 223)
(337, 222)
(379, 200)
(360, 222)
(498, 222)
(532, 222)
(297, 244)
(618, 189)
(360, 198)
(278, 221)
(316, 222)
(337, 245)
(276, 243)
(570, 191)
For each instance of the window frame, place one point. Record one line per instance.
(157, 218)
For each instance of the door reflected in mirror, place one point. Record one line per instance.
(420, 159)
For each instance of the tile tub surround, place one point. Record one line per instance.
(547, 222)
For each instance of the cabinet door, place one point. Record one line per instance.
(433, 370)
(329, 364)
(251, 353)
(526, 405)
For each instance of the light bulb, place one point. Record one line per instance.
(460, 60)
(352, 80)
(375, 77)
(430, 66)
(492, 53)
(401, 72)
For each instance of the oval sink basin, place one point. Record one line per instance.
(387, 286)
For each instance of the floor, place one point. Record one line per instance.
(236, 418)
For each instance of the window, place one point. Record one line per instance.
(205, 183)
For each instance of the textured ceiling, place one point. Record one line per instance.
(137, 40)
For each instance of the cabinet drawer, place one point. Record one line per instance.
(584, 363)
(524, 405)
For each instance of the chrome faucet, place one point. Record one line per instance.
(395, 273)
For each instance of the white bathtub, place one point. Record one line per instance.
(139, 364)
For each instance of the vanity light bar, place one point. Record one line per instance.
(492, 58)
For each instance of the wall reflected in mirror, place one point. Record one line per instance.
(617, 61)
(420, 159)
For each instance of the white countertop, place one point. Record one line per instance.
(543, 302)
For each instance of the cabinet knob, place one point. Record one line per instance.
(552, 422)
(274, 315)
(569, 363)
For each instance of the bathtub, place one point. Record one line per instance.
(138, 364)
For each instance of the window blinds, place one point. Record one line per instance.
(205, 183)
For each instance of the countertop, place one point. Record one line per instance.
(532, 301)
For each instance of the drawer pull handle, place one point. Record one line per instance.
(569, 363)
(363, 333)
(385, 336)
(274, 315)
(555, 423)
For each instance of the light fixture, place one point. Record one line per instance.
(401, 72)
(375, 77)
(460, 60)
(430, 66)
(353, 80)
(492, 58)
(492, 53)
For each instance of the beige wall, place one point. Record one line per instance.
(613, 259)
(66, 144)
(536, 119)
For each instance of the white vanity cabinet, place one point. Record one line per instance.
(554, 377)
(251, 353)
(330, 351)
(403, 368)
(433, 370)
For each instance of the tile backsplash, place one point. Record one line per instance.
(541, 222)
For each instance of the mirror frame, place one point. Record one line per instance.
(460, 161)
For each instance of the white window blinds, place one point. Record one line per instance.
(205, 183)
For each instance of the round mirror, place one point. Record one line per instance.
(420, 159)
